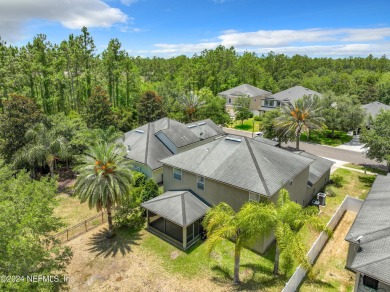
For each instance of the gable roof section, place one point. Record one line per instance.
(375, 107)
(266, 141)
(182, 135)
(318, 168)
(180, 207)
(145, 147)
(245, 90)
(243, 163)
(293, 94)
(373, 224)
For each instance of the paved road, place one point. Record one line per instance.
(320, 150)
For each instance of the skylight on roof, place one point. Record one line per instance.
(191, 126)
(202, 123)
(233, 139)
(140, 131)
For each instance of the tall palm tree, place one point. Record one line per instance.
(105, 178)
(299, 117)
(190, 103)
(290, 218)
(253, 221)
(45, 146)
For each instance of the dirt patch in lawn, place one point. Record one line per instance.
(121, 264)
(329, 270)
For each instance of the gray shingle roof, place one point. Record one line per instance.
(317, 168)
(180, 207)
(182, 135)
(245, 164)
(293, 93)
(146, 148)
(374, 108)
(266, 141)
(373, 223)
(245, 90)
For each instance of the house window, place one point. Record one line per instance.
(254, 197)
(291, 182)
(370, 282)
(200, 182)
(278, 103)
(230, 100)
(177, 173)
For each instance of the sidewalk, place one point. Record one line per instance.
(353, 145)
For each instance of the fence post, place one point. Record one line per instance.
(67, 235)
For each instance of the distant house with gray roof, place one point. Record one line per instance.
(286, 96)
(369, 240)
(256, 95)
(373, 109)
(150, 143)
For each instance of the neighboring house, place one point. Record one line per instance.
(373, 109)
(150, 143)
(256, 95)
(286, 96)
(235, 170)
(369, 240)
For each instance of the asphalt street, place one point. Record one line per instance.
(320, 150)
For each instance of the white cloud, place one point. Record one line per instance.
(313, 42)
(128, 2)
(72, 14)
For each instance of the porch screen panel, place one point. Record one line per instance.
(174, 231)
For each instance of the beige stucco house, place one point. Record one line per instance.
(256, 95)
(234, 170)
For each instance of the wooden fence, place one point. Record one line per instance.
(82, 227)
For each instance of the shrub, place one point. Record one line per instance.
(139, 179)
(257, 118)
(337, 180)
(150, 190)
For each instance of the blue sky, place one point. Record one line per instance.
(171, 27)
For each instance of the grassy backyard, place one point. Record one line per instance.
(366, 168)
(246, 126)
(138, 259)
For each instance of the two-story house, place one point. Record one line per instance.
(286, 96)
(233, 170)
(256, 95)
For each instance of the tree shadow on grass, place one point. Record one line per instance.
(367, 180)
(321, 284)
(123, 241)
(223, 275)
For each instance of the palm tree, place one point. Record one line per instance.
(190, 103)
(105, 179)
(110, 135)
(300, 117)
(290, 218)
(45, 146)
(253, 221)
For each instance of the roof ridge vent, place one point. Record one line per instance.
(191, 126)
(233, 139)
(140, 131)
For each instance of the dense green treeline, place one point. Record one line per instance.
(61, 77)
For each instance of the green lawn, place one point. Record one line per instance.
(255, 270)
(366, 168)
(246, 126)
(71, 211)
(325, 138)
